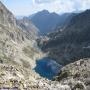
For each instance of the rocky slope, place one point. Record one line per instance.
(18, 54)
(76, 75)
(73, 42)
(26, 25)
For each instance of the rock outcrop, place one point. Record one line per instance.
(17, 53)
(6, 17)
(26, 25)
(76, 75)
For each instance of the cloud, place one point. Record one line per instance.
(27, 7)
(61, 6)
(33, 2)
(85, 4)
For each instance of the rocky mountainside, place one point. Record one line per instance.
(6, 17)
(47, 22)
(76, 75)
(63, 22)
(18, 54)
(26, 25)
(73, 43)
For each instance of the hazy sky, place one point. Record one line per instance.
(28, 7)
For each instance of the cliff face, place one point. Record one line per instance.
(13, 39)
(17, 53)
(26, 25)
(6, 17)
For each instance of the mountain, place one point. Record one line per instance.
(26, 25)
(73, 42)
(63, 23)
(47, 22)
(6, 17)
(64, 20)
(76, 75)
(17, 53)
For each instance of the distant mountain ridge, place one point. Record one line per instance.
(47, 22)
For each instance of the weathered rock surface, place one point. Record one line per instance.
(26, 25)
(76, 75)
(17, 52)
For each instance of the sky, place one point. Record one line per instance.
(28, 7)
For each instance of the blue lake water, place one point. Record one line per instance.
(47, 68)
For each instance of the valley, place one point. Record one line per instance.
(18, 55)
(35, 59)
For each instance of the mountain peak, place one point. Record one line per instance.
(45, 21)
(45, 11)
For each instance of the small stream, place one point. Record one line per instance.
(47, 68)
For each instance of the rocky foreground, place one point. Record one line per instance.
(16, 78)
(76, 75)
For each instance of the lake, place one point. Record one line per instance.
(47, 68)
